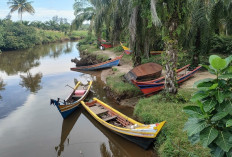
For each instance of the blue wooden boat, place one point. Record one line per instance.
(103, 65)
(70, 104)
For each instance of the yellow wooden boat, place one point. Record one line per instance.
(139, 133)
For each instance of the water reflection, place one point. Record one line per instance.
(118, 146)
(31, 82)
(13, 62)
(2, 85)
(67, 126)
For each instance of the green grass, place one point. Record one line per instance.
(79, 34)
(48, 36)
(121, 88)
(92, 50)
(171, 141)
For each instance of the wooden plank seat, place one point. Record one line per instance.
(109, 118)
(97, 110)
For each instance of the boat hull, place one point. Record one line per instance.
(66, 109)
(153, 87)
(104, 65)
(145, 143)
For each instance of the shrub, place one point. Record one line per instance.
(211, 121)
(221, 44)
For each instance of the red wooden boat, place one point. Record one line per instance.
(156, 52)
(149, 87)
(105, 44)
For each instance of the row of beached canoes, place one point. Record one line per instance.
(139, 133)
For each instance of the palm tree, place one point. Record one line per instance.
(172, 14)
(22, 6)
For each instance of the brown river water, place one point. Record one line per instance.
(31, 127)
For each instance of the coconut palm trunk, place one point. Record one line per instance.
(171, 59)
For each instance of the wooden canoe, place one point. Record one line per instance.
(72, 102)
(149, 87)
(126, 49)
(156, 52)
(105, 44)
(141, 134)
(143, 72)
(103, 65)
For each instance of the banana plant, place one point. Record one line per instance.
(210, 122)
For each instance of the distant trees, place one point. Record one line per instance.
(56, 24)
(21, 6)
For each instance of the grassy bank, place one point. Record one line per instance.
(172, 141)
(91, 49)
(121, 88)
(78, 34)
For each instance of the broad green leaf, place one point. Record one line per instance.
(229, 70)
(194, 138)
(209, 68)
(229, 154)
(217, 62)
(208, 135)
(202, 81)
(228, 60)
(225, 76)
(194, 126)
(223, 141)
(194, 111)
(220, 96)
(219, 116)
(198, 96)
(214, 86)
(229, 123)
(218, 152)
(209, 104)
(229, 106)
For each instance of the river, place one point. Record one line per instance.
(31, 127)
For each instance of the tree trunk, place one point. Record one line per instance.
(21, 17)
(171, 66)
(147, 44)
(196, 53)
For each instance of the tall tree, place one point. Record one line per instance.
(173, 15)
(22, 6)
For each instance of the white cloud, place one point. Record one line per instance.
(41, 14)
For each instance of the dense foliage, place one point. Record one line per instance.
(221, 44)
(211, 121)
(21, 35)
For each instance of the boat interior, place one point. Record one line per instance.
(108, 115)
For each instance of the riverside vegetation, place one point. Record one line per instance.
(17, 35)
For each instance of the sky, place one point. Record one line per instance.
(44, 10)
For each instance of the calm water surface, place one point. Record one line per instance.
(30, 127)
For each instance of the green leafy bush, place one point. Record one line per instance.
(221, 44)
(211, 121)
